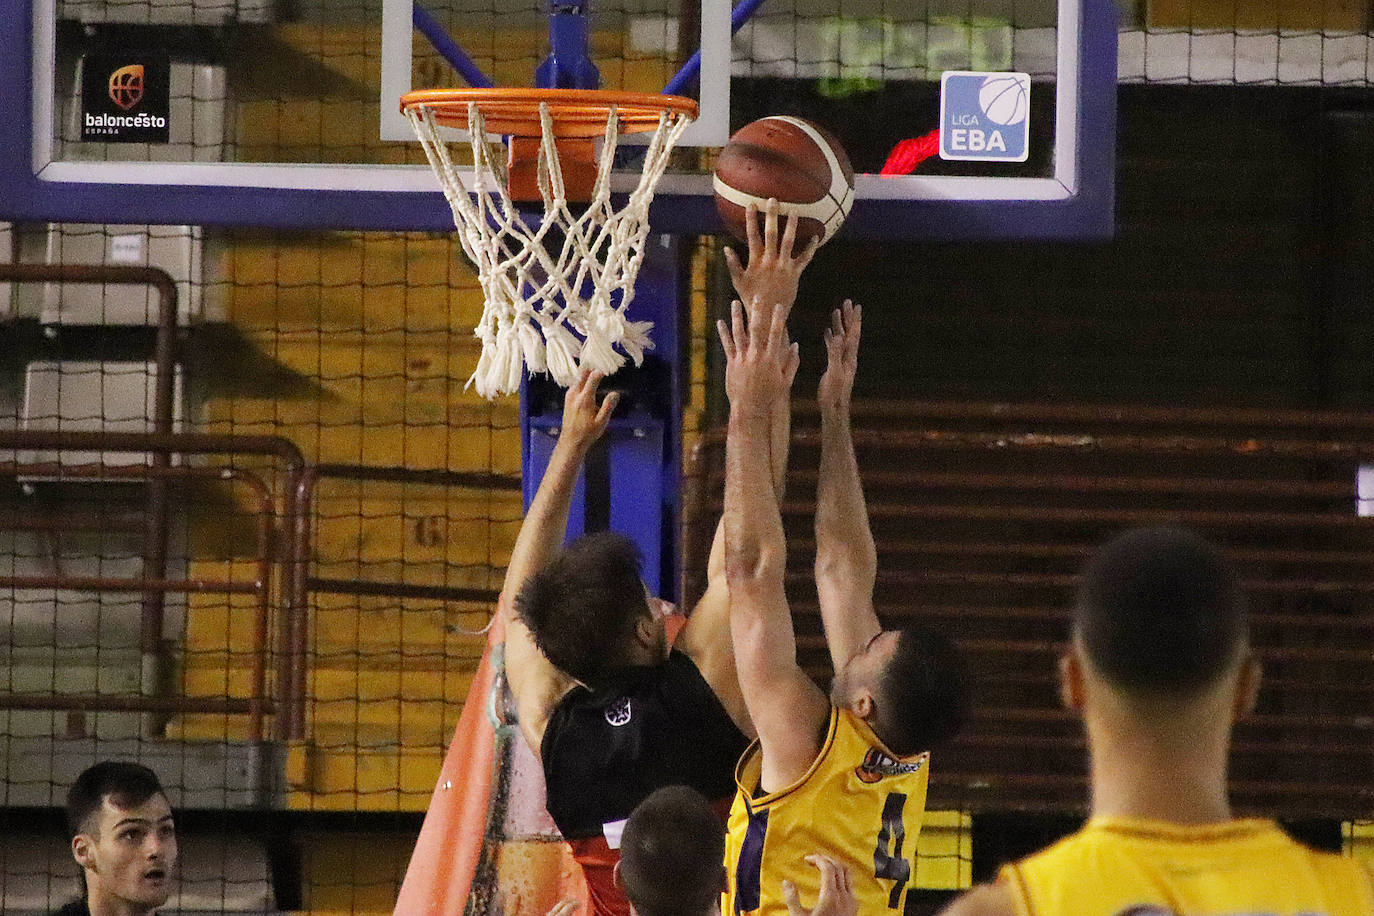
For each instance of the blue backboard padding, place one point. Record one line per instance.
(645, 447)
(635, 447)
(1085, 215)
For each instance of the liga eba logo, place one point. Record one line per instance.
(126, 86)
(985, 116)
(1005, 98)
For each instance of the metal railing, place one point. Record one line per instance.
(257, 704)
(162, 444)
(288, 705)
(358, 586)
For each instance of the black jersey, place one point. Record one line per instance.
(604, 751)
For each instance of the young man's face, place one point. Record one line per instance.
(130, 855)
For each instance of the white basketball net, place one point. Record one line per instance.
(536, 316)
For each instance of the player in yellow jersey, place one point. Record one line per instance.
(1159, 667)
(844, 776)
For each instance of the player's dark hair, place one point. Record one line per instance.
(582, 607)
(921, 695)
(127, 785)
(671, 854)
(1160, 609)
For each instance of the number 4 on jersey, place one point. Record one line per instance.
(888, 861)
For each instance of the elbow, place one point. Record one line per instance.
(744, 567)
(847, 566)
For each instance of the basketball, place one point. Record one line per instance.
(790, 159)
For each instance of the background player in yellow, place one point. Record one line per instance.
(1159, 668)
(844, 776)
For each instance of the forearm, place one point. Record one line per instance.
(754, 543)
(846, 558)
(780, 441)
(844, 541)
(546, 521)
(787, 710)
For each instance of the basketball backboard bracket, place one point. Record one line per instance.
(712, 125)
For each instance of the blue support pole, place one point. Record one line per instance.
(632, 484)
(683, 78)
(448, 48)
(569, 65)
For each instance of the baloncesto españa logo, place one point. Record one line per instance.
(126, 86)
(124, 98)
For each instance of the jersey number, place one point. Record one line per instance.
(887, 855)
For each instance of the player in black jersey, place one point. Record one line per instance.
(609, 709)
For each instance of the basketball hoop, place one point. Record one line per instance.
(550, 286)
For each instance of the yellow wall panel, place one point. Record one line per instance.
(944, 851)
(375, 681)
(409, 627)
(348, 281)
(353, 872)
(214, 622)
(442, 535)
(1359, 841)
(371, 781)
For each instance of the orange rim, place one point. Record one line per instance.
(576, 113)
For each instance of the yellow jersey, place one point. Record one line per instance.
(857, 803)
(1117, 866)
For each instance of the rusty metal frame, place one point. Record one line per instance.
(258, 704)
(155, 521)
(289, 706)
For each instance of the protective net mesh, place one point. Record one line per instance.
(353, 348)
(343, 353)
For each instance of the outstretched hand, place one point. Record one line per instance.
(836, 897)
(775, 268)
(583, 420)
(759, 362)
(842, 357)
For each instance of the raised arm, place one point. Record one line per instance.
(772, 275)
(534, 682)
(788, 710)
(846, 560)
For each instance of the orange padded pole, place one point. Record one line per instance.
(439, 877)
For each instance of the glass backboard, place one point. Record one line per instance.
(284, 114)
